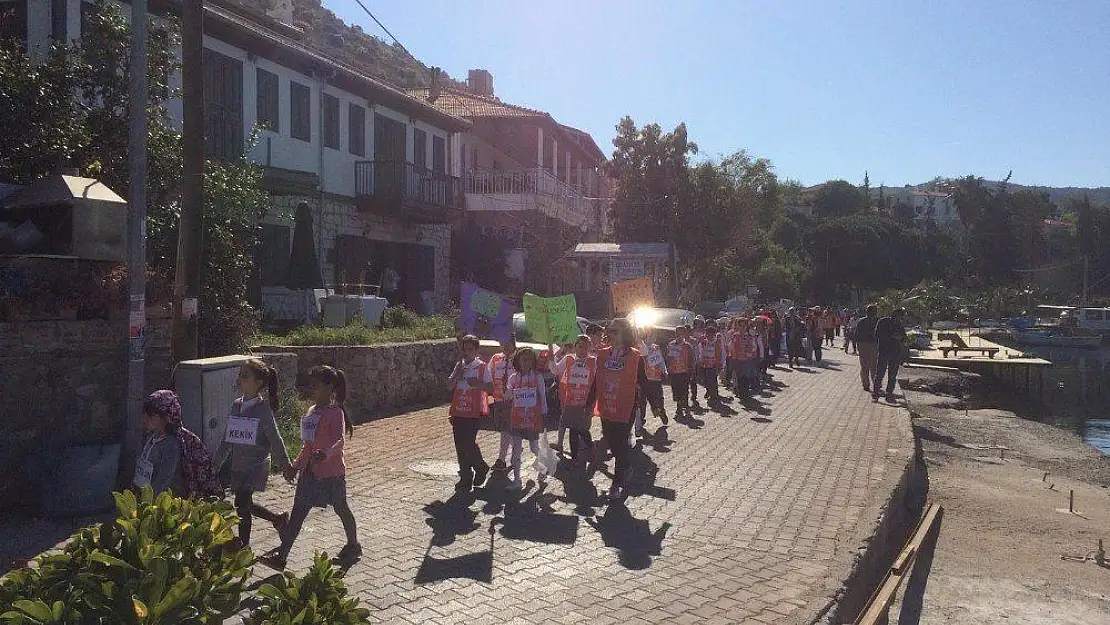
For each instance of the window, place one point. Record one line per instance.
(13, 20)
(267, 100)
(356, 135)
(223, 105)
(274, 254)
(439, 155)
(58, 20)
(420, 149)
(300, 112)
(331, 122)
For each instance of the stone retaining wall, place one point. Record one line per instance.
(382, 379)
(63, 382)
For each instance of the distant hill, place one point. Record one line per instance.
(326, 32)
(1057, 195)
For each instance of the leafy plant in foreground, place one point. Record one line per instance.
(318, 598)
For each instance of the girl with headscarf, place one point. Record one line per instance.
(172, 458)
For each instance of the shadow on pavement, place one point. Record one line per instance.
(631, 537)
(752, 404)
(659, 441)
(451, 519)
(645, 471)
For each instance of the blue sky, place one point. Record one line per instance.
(823, 88)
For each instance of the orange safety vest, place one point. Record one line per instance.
(710, 353)
(499, 366)
(466, 401)
(735, 344)
(526, 413)
(577, 377)
(617, 378)
(653, 363)
(678, 355)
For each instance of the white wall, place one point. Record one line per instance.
(277, 149)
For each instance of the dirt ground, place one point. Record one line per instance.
(998, 555)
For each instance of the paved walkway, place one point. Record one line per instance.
(752, 515)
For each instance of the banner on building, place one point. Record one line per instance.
(551, 319)
(485, 314)
(632, 294)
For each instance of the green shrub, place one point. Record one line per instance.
(318, 597)
(420, 329)
(291, 407)
(162, 560)
(399, 317)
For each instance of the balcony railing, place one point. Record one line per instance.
(537, 181)
(408, 184)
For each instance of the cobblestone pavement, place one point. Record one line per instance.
(747, 514)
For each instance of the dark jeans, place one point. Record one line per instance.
(816, 349)
(680, 388)
(652, 393)
(887, 363)
(709, 381)
(581, 444)
(246, 508)
(465, 432)
(694, 383)
(615, 434)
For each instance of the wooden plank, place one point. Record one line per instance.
(877, 607)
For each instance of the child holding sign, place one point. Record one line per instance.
(320, 465)
(250, 439)
(576, 372)
(529, 407)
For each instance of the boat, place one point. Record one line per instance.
(1047, 337)
(1082, 317)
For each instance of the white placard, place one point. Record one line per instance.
(308, 427)
(579, 374)
(144, 471)
(524, 397)
(241, 431)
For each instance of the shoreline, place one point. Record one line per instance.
(1004, 481)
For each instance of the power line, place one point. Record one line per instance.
(382, 26)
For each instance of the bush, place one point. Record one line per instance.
(399, 317)
(421, 329)
(291, 407)
(318, 597)
(162, 560)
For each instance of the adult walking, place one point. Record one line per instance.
(795, 332)
(815, 332)
(864, 338)
(890, 338)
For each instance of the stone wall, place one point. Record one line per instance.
(64, 382)
(382, 379)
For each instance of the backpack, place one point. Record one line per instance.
(196, 466)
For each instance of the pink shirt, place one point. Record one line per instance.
(328, 438)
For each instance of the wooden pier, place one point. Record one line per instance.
(1023, 372)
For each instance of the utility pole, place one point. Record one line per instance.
(186, 290)
(138, 96)
(1086, 259)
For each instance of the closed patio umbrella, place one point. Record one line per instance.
(304, 265)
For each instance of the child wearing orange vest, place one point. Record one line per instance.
(655, 368)
(527, 391)
(619, 375)
(500, 367)
(680, 366)
(576, 372)
(710, 356)
(469, 383)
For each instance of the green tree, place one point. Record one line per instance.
(839, 198)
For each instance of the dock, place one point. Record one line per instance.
(1022, 371)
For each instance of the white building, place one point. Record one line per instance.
(378, 168)
(925, 204)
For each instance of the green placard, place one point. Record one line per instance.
(551, 319)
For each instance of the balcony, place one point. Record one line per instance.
(400, 189)
(524, 190)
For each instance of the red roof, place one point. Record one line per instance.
(460, 103)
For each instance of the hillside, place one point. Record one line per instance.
(325, 31)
